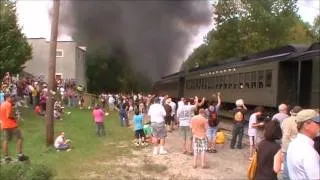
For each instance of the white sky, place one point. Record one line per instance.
(34, 19)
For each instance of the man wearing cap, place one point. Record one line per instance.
(9, 128)
(289, 132)
(303, 161)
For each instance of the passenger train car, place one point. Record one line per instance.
(289, 74)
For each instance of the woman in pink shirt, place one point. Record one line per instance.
(98, 117)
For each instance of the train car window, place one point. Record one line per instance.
(221, 82)
(230, 81)
(210, 83)
(217, 82)
(199, 83)
(268, 78)
(226, 80)
(261, 79)
(203, 83)
(241, 80)
(254, 79)
(235, 81)
(247, 80)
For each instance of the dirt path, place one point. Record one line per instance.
(141, 164)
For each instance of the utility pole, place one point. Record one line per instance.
(52, 73)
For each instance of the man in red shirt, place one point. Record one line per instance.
(10, 128)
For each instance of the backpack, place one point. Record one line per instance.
(238, 116)
(213, 118)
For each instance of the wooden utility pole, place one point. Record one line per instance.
(52, 73)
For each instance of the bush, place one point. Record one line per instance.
(25, 172)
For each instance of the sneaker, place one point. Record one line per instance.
(7, 159)
(68, 150)
(136, 144)
(155, 151)
(22, 157)
(162, 152)
(144, 144)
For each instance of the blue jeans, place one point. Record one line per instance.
(63, 147)
(211, 133)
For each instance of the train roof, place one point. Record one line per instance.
(281, 53)
(291, 48)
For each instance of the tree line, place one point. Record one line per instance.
(243, 27)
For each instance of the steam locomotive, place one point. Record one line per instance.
(288, 74)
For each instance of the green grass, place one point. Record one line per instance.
(88, 148)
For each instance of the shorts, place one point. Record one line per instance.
(253, 140)
(185, 132)
(139, 133)
(8, 133)
(200, 145)
(212, 133)
(159, 130)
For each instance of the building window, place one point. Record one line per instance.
(268, 78)
(59, 53)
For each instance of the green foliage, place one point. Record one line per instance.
(25, 172)
(316, 28)
(248, 26)
(14, 48)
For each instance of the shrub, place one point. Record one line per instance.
(25, 172)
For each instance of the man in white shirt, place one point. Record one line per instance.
(157, 114)
(252, 130)
(303, 160)
(184, 117)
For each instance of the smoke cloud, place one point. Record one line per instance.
(153, 34)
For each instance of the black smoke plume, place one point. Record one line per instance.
(153, 34)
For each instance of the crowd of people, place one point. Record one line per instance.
(286, 144)
(17, 92)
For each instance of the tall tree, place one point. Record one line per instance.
(316, 28)
(247, 26)
(14, 48)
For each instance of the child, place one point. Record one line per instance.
(147, 129)
(98, 117)
(138, 127)
(61, 143)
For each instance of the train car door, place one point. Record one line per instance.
(304, 83)
(287, 82)
(181, 87)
